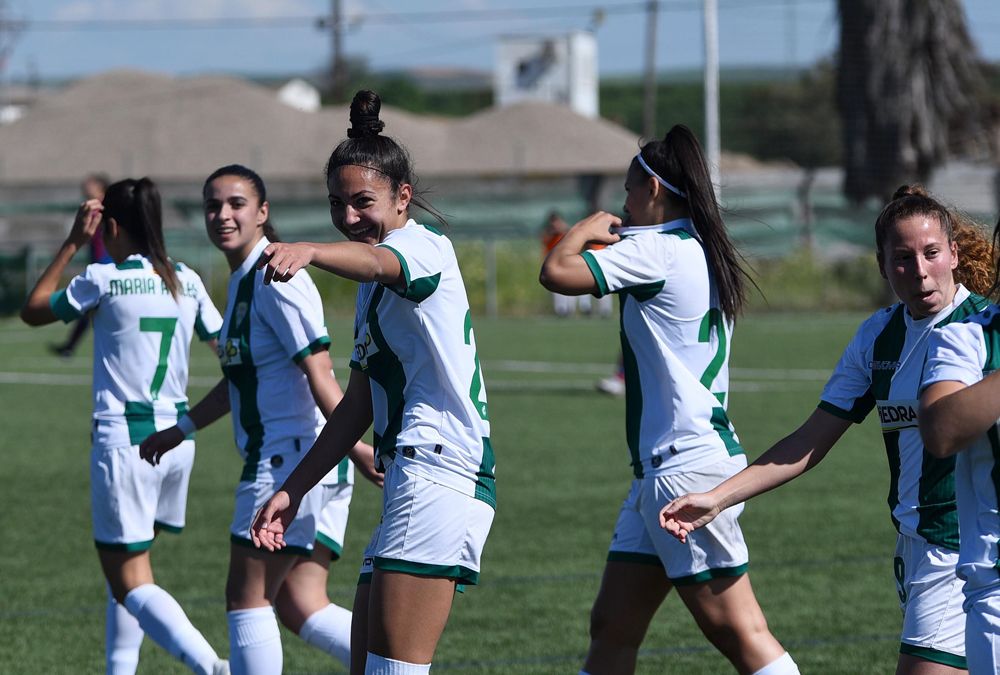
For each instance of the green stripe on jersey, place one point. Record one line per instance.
(643, 292)
(633, 394)
(595, 269)
(723, 427)
(139, 419)
(885, 360)
(416, 290)
(386, 369)
(59, 303)
(129, 265)
(680, 232)
(243, 376)
(317, 345)
(486, 482)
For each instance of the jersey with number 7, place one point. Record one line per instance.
(142, 338)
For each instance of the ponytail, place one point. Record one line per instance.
(679, 160)
(136, 207)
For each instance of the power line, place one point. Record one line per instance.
(413, 17)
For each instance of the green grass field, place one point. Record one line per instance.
(820, 547)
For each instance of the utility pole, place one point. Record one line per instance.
(712, 143)
(337, 75)
(649, 89)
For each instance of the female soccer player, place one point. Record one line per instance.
(278, 381)
(931, 261)
(146, 309)
(416, 373)
(680, 286)
(959, 409)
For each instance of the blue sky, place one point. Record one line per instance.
(752, 32)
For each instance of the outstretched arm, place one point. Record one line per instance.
(349, 259)
(36, 310)
(564, 270)
(952, 415)
(789, 458)
(214, 405)
(326, 392)
(346, 424)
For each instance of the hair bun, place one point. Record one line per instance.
(364, 115)
(912, 190)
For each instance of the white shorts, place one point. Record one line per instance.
(274, 467)
(332, 521)
(982, 636)
(427, 529)
(716, 550)
(930, 595)
(130, 499)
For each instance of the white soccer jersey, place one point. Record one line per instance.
(675, 346)
(267, 331)
(142, 339)
(966, 352)
(418, 349)
(881, 368)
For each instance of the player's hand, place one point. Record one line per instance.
(363, 456)
(686, 514)
(88, 219)
(280, 261)
(155, 446)
(272, 521)
(597, 228)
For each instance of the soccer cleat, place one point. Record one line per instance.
(612, 385)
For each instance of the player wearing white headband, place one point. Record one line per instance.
(680, 285)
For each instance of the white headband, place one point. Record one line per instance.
(655, 175)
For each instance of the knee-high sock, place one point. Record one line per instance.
(379, 665)
(329, 629)
(254, 642)
(783, 665)
(122, 639)
(165, 622)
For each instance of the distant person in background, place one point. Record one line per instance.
(93, 187)
(935, 263)
(146, 309)
(552, 231)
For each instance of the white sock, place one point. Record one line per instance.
(254, 641)
(329, 629)
(783, 665)
(122, 639)
(379, 665)
(165, 622)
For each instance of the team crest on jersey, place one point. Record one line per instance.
(364, 346)
(229, 352)
(240, 313)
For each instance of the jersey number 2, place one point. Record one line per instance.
(165, 327)
(713, 319)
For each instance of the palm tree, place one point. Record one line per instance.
(907, 90)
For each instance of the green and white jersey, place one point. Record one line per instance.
(967, 351)
(675, 346)
(142, 341)
(881, 369)
(418, 349)
(268, 330)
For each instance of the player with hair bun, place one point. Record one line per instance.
(416, 377)
(680, 286)
(146, 308)
(279, 384)
(939, 264)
